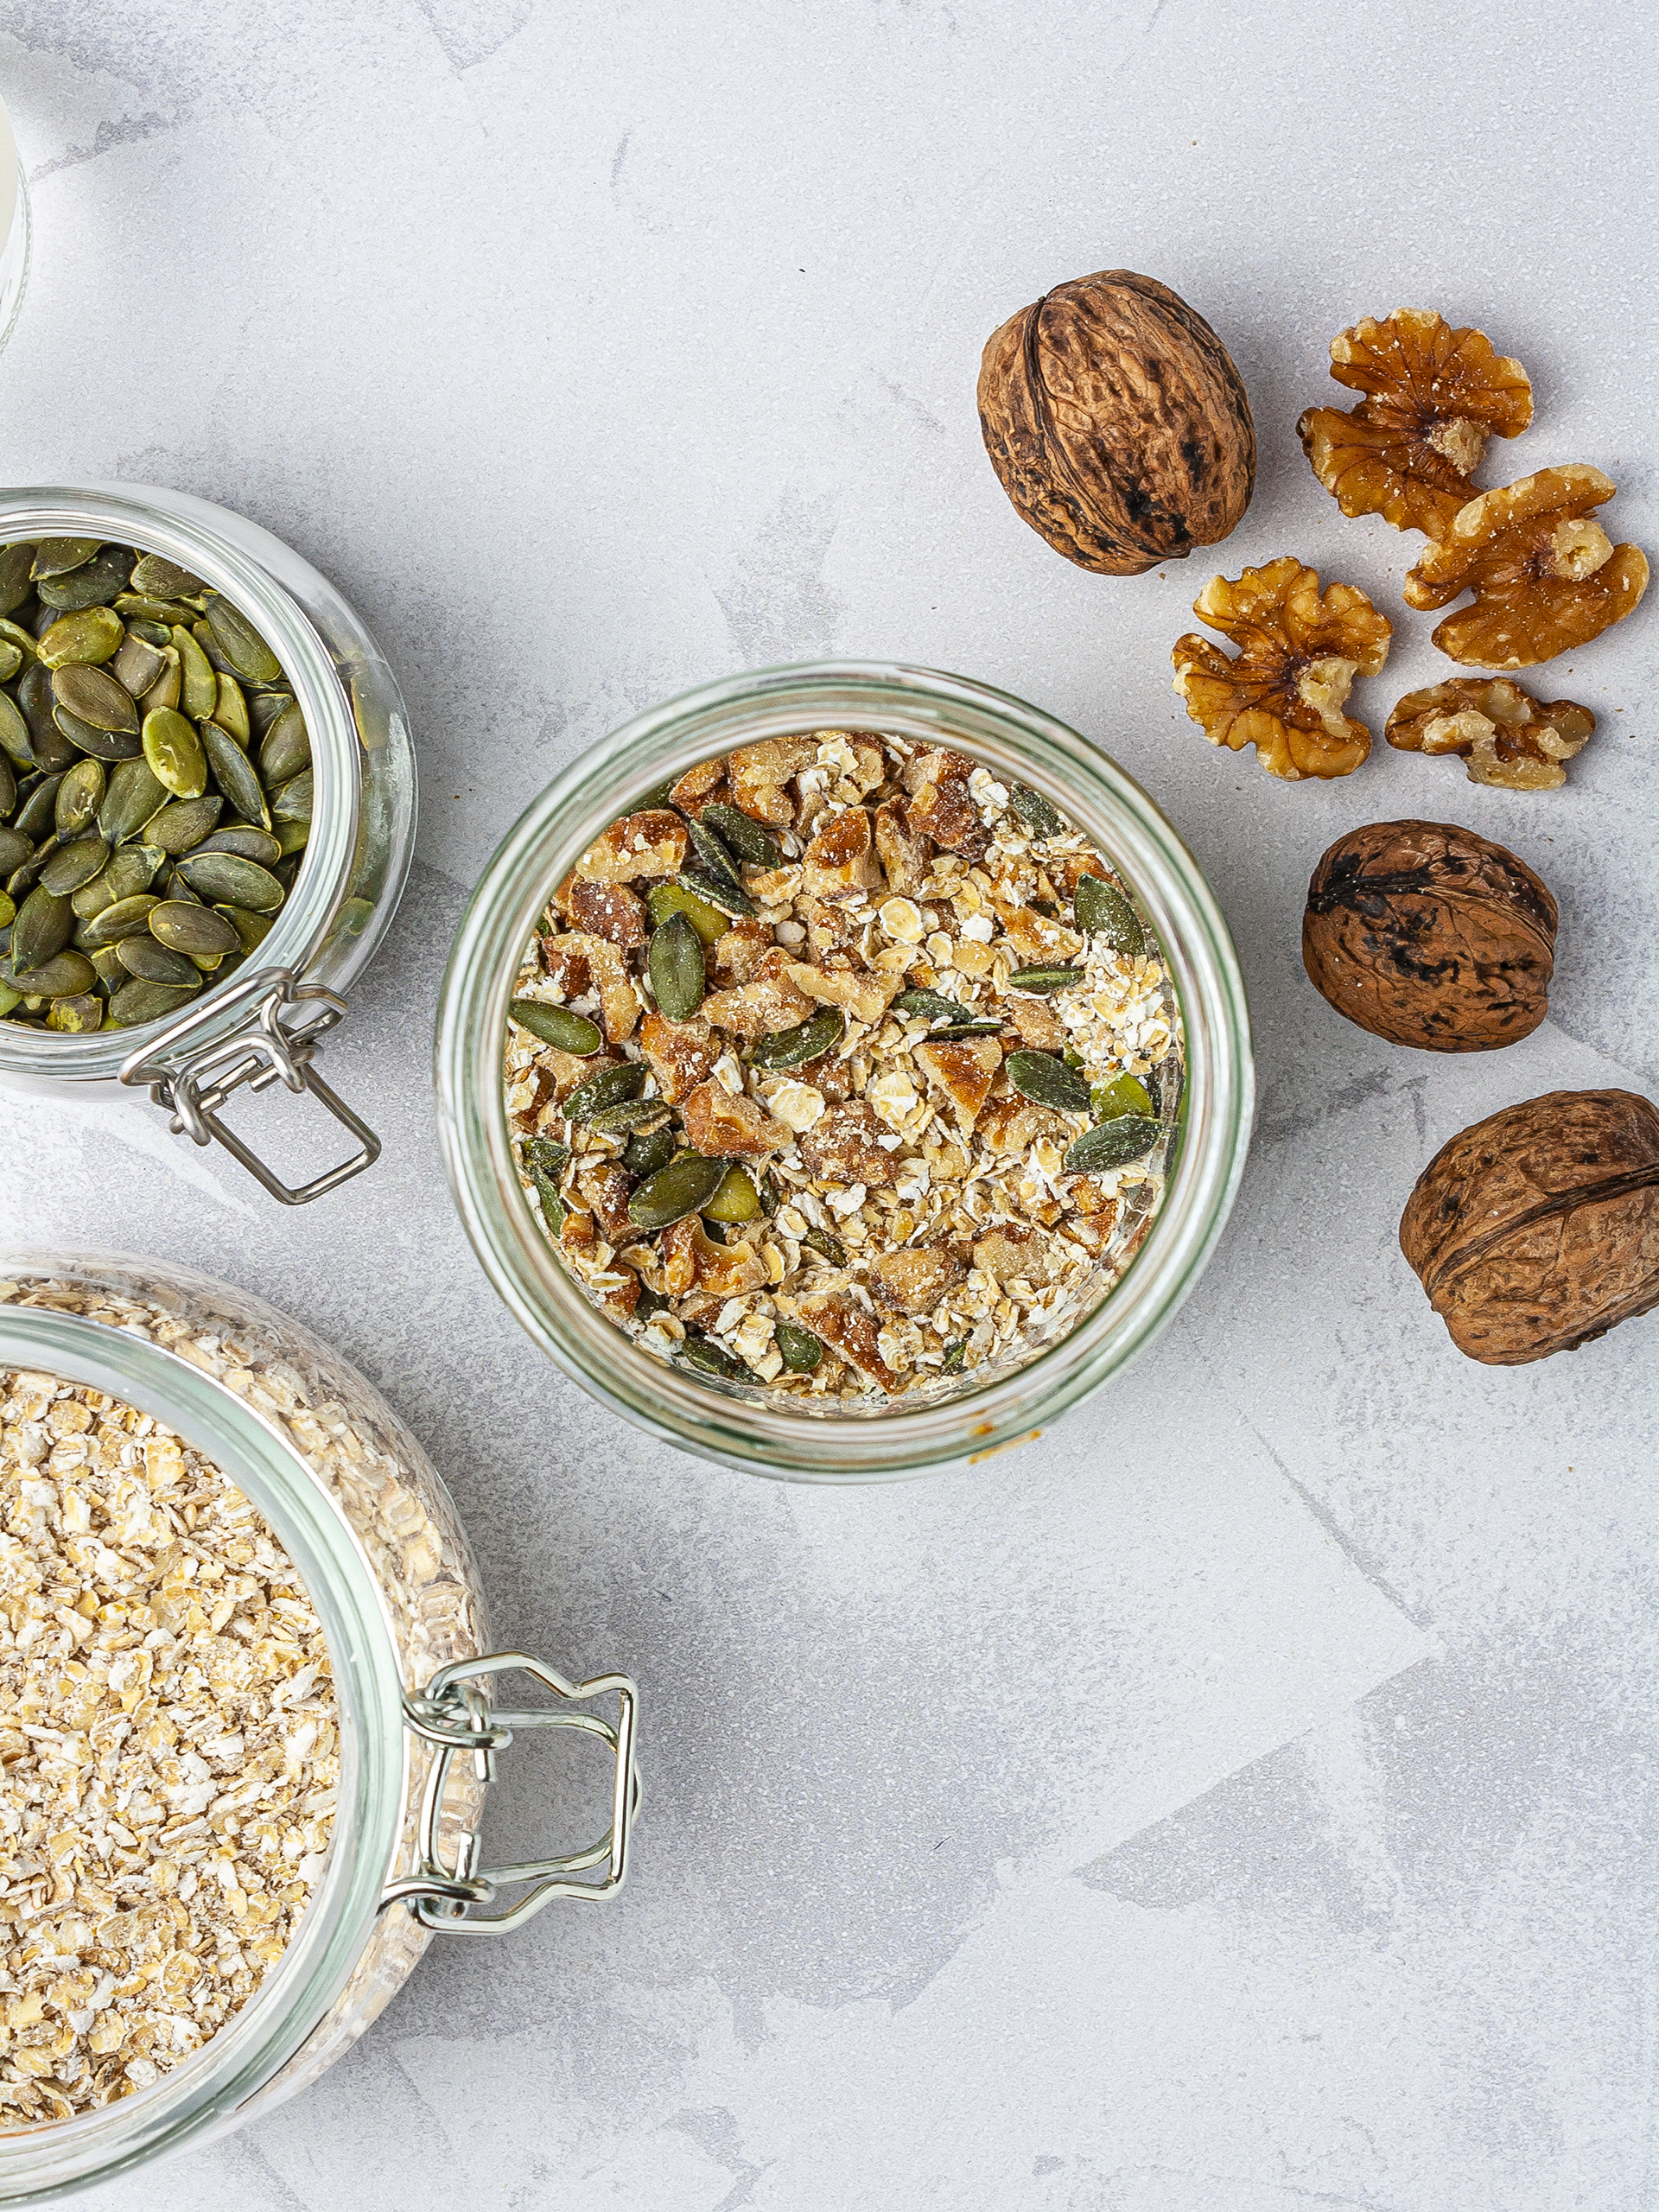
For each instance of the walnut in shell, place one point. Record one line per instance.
(1545, 575)
(1299, 650)
(1538, 1229)
(1430, 936)
(1117, 423)
(1504, 736)
(1433, 396)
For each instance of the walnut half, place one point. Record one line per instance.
(1299, 650)
(1505, 736)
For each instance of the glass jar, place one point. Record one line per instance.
(699, 1414)
(14, 228)
(262, 1024)
(374, 1538)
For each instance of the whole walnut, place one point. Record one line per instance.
(1117, 423)
(1430, 936)
(1538, 1229)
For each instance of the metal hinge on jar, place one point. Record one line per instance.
(276, 1038)
(454, 1714)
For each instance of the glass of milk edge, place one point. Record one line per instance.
(14, 228)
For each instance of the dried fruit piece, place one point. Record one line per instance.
(963, 1070)
(1117, 423)
(679, 1053)
(942, 806)
(727, 1128)
(1300, 651)
(1431, 936)
(1011, 1252)
(1538, 1229)
(848, 1330)
(1433, 396)
(1506, 737)
(1545, 575)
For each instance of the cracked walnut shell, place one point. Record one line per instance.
(1299, 650)
(1538, 1229)
(1545, 575)
(1505, 736)
(1433, 396)
(1117, 423)
(1431, 936)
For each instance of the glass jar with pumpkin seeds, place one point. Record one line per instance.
(206, 809)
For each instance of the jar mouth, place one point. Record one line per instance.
(186, 530)
(931, 707)
(239, 2058)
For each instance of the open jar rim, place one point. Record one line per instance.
(1013, 739)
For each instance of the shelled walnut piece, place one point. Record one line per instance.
(171, 1749)
(1433, 396)
(1545, 575)
(1300, 651)
(1505, 736)
(876, 1139)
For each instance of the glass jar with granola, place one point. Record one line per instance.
(247, 1711)
(844, 1069)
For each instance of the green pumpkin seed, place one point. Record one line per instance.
(185, 823)
(125, 918)
(747, 840)
(799, 1349)
(139, 1002)
(736, 1200)
(630, 1114)
(15, 740)
(135, 795)
(26, 874)
(56, 556)
(608, 1087)
(1123, 1095)
(546, 1160)
(73, 864)
(144, 956)
(7, 786)
(14, 849)
(153, 573)
(106, 961)
(95, 583)
(1112, 1144)
(200, 682)
(76, 1014)
(826, 1246)
(556, 1026)
(1041, 1076)
(161, 613)
(808, 1040)
(721, 891)
(130, 871)
(292, 837)
(702, 1352)
(226, 878)
(82, 639)
(648, 1150)
(168, 689)
(200, 932)
(1045, 979)
(35, 698)
(45, 923)
(266, 708)
(947, 1017)
(674, 962)
(35, 817)
(1101, 910)
(1037, 817)
(291, 801)
(101, 744)
(137, 667)
(242, 837)
(29, 646)
(65, 976)
(16, 579)
(252, 929)
(250, 657)
(11, 659)
(285, 748)
(234, 773)
(231, 711)
(683, 1187)
(668, 898)
(174, 752)
(79, 796)
(956, 1357)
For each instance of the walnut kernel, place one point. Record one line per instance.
(1505, 736)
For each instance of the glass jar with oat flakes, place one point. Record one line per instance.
(937, 1275)
(248, 1715)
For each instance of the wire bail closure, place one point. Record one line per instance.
(277, 1040)
(455, 1714)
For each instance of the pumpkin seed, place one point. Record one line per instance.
(1123, 1095)
(234, 773)
(28, 648)
(183, 926)
(799, 1349)
(748, 840)
(252, 929)
(168, 689)
(667, 899)
(73, 864)
(545, 1159)
(155, 963)
(11, 659)
(102, 744)
(94, 695)
(608, 1087)
(808, 1040)
(14, 849)
(26, 874)
(94, 583)
(947, 1017)
(137, 667)
(164, 579)
(826, 1246)
(956, 1357)
(79, 796)
(125, 918)
(231, 711)
(1101, 910)
(185, 823)
(174, 752)
(130, 870)
(15, 740)
(1037, 818)
(292, 837)
(134, 796)
(200, 683)
(55, 557)
(82, 639)
(291, 801)
(722, 892)
(683, 1187)
(648, 1150)
(65, 976)
(286, 747)
(736, 1200)
(1112, 1144)
(226, 878)
(242, 837)
(45, 924)
(139, 1002)
(39, 707)
(556, 1026)
(674, 962)
(701, 1351)
(249, 655)
(265, 708)
(716, 864)
(76, 1014)
(1042, 1077)
(159, 613)
(1045, 979)
(16, 582)
(630, 1114)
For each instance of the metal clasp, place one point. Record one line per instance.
(455, 1714)
(278, 1040)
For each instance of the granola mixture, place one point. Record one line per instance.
(168, 1747)
(826, 1076)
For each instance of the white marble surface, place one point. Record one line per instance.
(1246, 1801)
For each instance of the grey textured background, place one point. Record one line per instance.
(1245, 1800)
